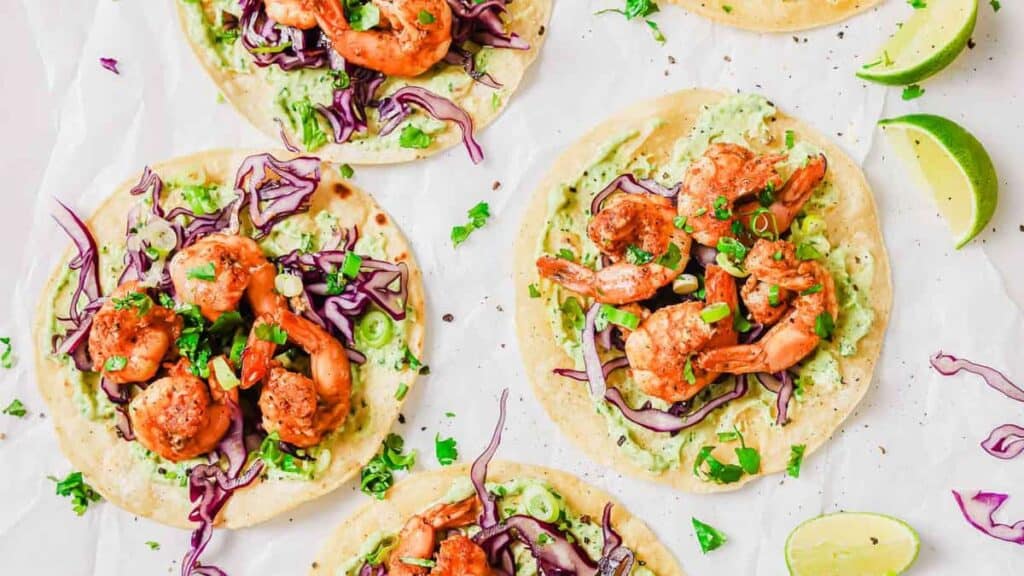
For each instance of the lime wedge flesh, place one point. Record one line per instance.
(851, 544)
(928, 42)
(952, 163)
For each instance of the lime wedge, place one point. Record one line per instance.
(925, 44)
(851, 544)
(953, 164)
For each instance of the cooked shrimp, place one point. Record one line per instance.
(407, 44)
(179, 416)
(418, 539)
(630, 223)
(797, 334)
(295, 13)
(131, 334)
(215, 272)
(715, 181)
(300, 409)
(661, 350)
(788, 201)
(766, 302)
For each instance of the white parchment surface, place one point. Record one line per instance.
(73, 130)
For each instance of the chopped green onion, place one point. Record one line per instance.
(350, 267)
(685, 284)
(541, 504)
(115, 363)
(534, 291)
(374, 329)
(619, 317)
(773, 296)
(824, 325)
(402, 390)
(715, 312)
(688, 374)
(812, 290)
(206, 272)
(790, 139)
(796, 459)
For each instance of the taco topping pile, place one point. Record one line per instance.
(219, 338)
(333, 62)
(701, 288)
(522, 526)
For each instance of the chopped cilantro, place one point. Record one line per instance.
(824, 325)
(913, 91)
(917, 4)
(270, 332)
(688, 374)
(76, 488)
(153, 545)
(446, 450)
(402, 390)
(790, 139)
(478, 216)
(534, 291)
(7, 355)
(727, 8)
(806, 251)
(721, 206)
(566, 254)
(361, 16)
(377, 476)
(138, 300)
(796, 459)
(638, 256)
(346, 171)
(16, 409)
(425, 17)
(199, 198)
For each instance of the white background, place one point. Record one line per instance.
(74, 130)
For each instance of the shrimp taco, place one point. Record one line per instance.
(490, 519)
(702, 290)
(233, 335)
(367, 81)
(777, 15)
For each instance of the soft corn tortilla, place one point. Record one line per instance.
(414, 495)
(254, 97)
(853, 220)
(108, 462)
(776, 15)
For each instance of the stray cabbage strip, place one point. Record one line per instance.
(948, 365)
(1005, 442)
(979, 509)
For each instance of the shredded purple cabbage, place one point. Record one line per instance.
(782, 385)
(979, 509)
(273, 189)
(347, 112)
(209, 489)
(616, 559)
(630, 184)
(271, 43)
(1005, 442)
(948, 365)
(110, 64)
(396, 107)
(85, 300)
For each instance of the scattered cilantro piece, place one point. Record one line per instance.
(271, 453)
(638, 256)
(727, 8)
(688, 374)
(138, 300)
(16, 409)
(313, 135)
(7, 355)
(346, 171)
(913, 91)
(200, 198)
(659, 37)
(566, 254)
(478, 216)
(153, 545)
(749, 458)
(271, 332)
(715, 471)
(425, 17)
(708, 537)
(75, 487)
(917, 4)
(995, 5)
(671, 258)
(796, 459)
(790, 139)
(361, 16)
(377, 476)
(402, 390)
(446, 450)
(413, 137)
(806, 251)
(409, 359)
(534, 291)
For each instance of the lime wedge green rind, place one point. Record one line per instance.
(928, 42)
(852, 544)
(954, 165)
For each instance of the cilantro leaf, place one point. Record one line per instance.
(796, 459)
(478, 216)
(912, 92)
(205, 272)
(76, 488)
(271, 333)
(413, 137)
(16, 409)
(7, 355)
(446, 450)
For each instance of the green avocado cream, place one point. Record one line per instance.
(526, 496)
(742, 119)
